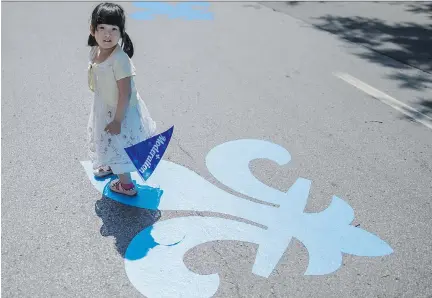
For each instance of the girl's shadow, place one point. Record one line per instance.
(124, 222)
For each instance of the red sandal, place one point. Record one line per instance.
(117, 186)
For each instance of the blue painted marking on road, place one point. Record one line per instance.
(147, 197)
(154, 258)
(184, 10)
(144, 243)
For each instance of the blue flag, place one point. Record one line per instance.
(147, 154)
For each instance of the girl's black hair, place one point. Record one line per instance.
(111, 14)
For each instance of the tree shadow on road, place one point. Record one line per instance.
(424, 107)
(409, 43)
(295, 3)
(421, 7)
(124, 222)
(399, 46)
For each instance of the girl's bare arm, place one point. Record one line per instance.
(124, 86)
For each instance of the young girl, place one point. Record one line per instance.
(119, 117)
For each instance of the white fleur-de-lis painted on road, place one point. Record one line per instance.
(154, 258)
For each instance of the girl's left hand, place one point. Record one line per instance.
(113, 128)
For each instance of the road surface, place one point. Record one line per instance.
(356, 124)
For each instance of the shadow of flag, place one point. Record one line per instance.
(147, 154)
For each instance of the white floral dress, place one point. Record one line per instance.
(106, 149)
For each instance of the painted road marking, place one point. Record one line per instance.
(154, 258)
(387, 99)
(185, 10)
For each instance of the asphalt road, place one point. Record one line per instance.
(250, 72)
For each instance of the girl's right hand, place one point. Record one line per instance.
(114, 128)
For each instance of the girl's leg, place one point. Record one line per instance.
(124, 182)
(125, 179)
(123, 185)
